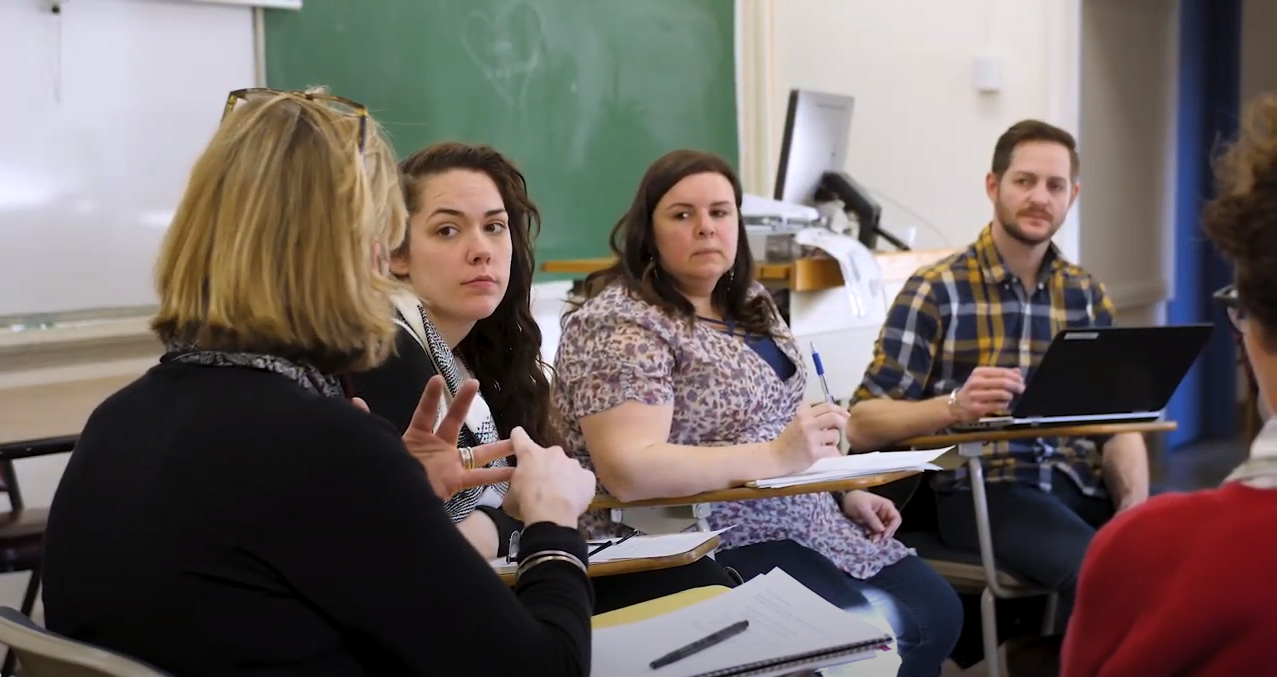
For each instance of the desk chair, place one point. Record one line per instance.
(48, 654)
(966, 571)
(22, 528)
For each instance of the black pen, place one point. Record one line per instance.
(608, 544)
(701, 644)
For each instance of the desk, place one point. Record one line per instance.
(632, 566)
(971, 450)
(1065, 430)
(884, 663)
(605, 502)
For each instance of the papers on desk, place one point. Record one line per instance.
(856, 465)
(636, 547)
(790, 628)
(861, 275)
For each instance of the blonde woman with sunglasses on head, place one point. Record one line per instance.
(232, 512)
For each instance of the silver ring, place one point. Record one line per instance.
(467, 457)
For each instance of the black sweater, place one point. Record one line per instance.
(224, 521)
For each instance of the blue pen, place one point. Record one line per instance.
(820, 373)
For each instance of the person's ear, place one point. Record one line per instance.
(991, 186)
(399, 262)
(1077, 188)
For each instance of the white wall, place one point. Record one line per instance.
(923, 136)
(1127, 140)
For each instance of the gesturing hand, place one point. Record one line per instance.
(436, 448)
(878, 515)
(548, 485)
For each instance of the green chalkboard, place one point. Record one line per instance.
(582, 94)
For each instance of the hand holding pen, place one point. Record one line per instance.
(820, 373)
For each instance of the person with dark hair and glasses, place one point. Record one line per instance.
(1184, 584)
(677, 375)
(959, 342)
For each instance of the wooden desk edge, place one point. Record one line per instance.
(951, 439)
(749, 494)
(629, 566)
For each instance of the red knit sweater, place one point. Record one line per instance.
(1183, 585)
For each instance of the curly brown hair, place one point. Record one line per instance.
(1241, 221)
(638, 265)
(503, 349)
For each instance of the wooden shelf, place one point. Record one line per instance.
(807, 274)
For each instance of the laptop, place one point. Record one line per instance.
(1104, 374)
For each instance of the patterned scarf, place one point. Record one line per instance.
(304, 375)
(473, 433)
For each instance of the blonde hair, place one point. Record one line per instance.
(271, 249)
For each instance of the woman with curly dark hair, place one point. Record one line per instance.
(1183, 584)
(465, 313)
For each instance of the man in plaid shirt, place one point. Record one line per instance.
(958, 343)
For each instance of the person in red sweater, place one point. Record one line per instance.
(1183, 585)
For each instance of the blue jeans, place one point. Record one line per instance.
(924, 612)
(1041, 536)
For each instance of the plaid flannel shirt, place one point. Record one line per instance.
(969, 310)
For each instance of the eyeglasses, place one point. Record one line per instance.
(338, 103)
(1228, 299)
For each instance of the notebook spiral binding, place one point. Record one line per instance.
(797, 660)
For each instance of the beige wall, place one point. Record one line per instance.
(922, 136)
(1259, 50)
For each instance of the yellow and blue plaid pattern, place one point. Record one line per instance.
(969, 310)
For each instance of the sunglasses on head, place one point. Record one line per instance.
(338, 103)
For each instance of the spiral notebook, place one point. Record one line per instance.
(791, 628)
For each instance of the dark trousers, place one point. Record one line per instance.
(1038, 535)
(923, 610)
(622, 590)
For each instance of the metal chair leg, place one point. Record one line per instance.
(1052, 610)
(989, 632)
(32, 593)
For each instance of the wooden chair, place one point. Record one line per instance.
(22, 528)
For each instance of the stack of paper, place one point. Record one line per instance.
(790, 628)
(636, 547)
(856, 465)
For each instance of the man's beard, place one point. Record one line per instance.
(1011, 225)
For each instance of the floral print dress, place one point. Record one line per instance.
(617, 348)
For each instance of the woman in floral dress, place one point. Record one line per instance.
(676, 375)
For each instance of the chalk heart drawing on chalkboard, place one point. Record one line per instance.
(505, 46)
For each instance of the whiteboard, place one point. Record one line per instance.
(103, 110)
